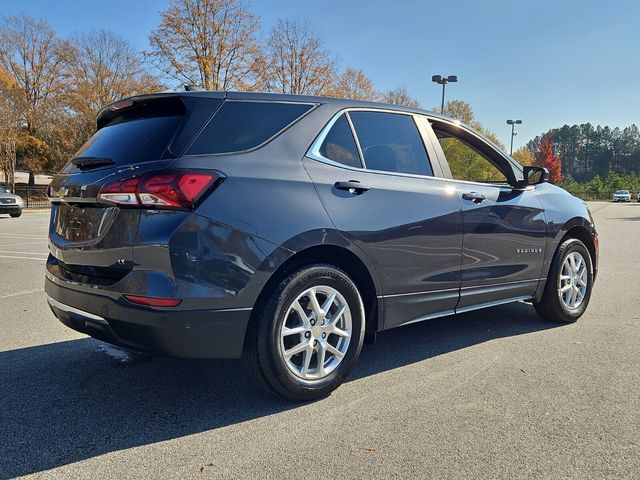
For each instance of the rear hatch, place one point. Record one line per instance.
(90, 241)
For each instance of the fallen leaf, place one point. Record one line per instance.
(523, 371)
(203, 467)
(369, 450)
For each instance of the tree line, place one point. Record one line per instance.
(596, 161)
(51, 87)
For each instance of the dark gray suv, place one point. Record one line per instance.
(286, 229)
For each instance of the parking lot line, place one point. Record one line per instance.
(22, 253)
(21, 235)
(41, 259)
(29, 292)
(22, 243)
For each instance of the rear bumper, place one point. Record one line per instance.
(164, 331)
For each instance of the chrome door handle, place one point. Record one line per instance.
(352, 186)
(475, 197)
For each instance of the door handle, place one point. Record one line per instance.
(475, 197)
(352, 186)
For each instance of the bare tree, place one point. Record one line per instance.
(296, 61)
(29, 53)
(208, 43)
(400, 96)
(101, 68)
(9, 127)
(355, 85)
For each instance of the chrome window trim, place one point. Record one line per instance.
(509, 187)
(356, 140)
(314, 149)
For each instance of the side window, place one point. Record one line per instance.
(239, 126)
(339, 144)
(391, 142)
(468, 164)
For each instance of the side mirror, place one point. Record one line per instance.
(535, 175)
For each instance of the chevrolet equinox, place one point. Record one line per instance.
(284, 230)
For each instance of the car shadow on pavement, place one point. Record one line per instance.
(66, 402)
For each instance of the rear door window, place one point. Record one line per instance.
(391, 142)
(239, 126)
(339, 144)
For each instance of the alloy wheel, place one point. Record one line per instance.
(572, 284)
(316, 332)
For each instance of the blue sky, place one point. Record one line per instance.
(546, 62)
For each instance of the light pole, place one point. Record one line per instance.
(513, 124)
(442, 80)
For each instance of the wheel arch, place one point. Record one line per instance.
(342, 258)
(579, 228)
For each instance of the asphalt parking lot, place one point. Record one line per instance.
(490, 394)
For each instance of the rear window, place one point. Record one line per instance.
(239, 126)
(131, 141)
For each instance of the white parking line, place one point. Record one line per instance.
(42, 259)
(28, 292)
(22, 253)
(15, 235)
(22, 243)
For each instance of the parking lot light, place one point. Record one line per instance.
(442, 80)
(513, 124)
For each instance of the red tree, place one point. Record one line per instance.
(545, 157)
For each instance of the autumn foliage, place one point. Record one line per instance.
(545, 157)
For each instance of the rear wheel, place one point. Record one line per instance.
(569, 283)
(17, 214)
(307, 338)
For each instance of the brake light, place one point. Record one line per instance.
(159, 190)
(153, 301)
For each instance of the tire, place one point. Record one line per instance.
(17, 214)
(293, 377)
(554, 305)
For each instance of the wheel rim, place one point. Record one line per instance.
(573, 281)
(316, 332)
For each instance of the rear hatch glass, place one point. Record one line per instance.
(129, 142)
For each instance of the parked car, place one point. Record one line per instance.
(10, 203)
(622, 196)
(286, 230)
(638, 196)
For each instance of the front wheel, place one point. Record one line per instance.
(569, 283)
(309, 334)
(16, 214)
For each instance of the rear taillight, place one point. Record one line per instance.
(160, 190)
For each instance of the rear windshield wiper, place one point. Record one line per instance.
(87, 163)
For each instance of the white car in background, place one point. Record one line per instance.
(10, 203)
(622, 196)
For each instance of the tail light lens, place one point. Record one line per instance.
(154, 301)
(160, 190)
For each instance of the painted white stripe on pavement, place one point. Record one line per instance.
(23, 258)
(21, 293)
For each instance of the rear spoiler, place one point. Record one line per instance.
(145, 106)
